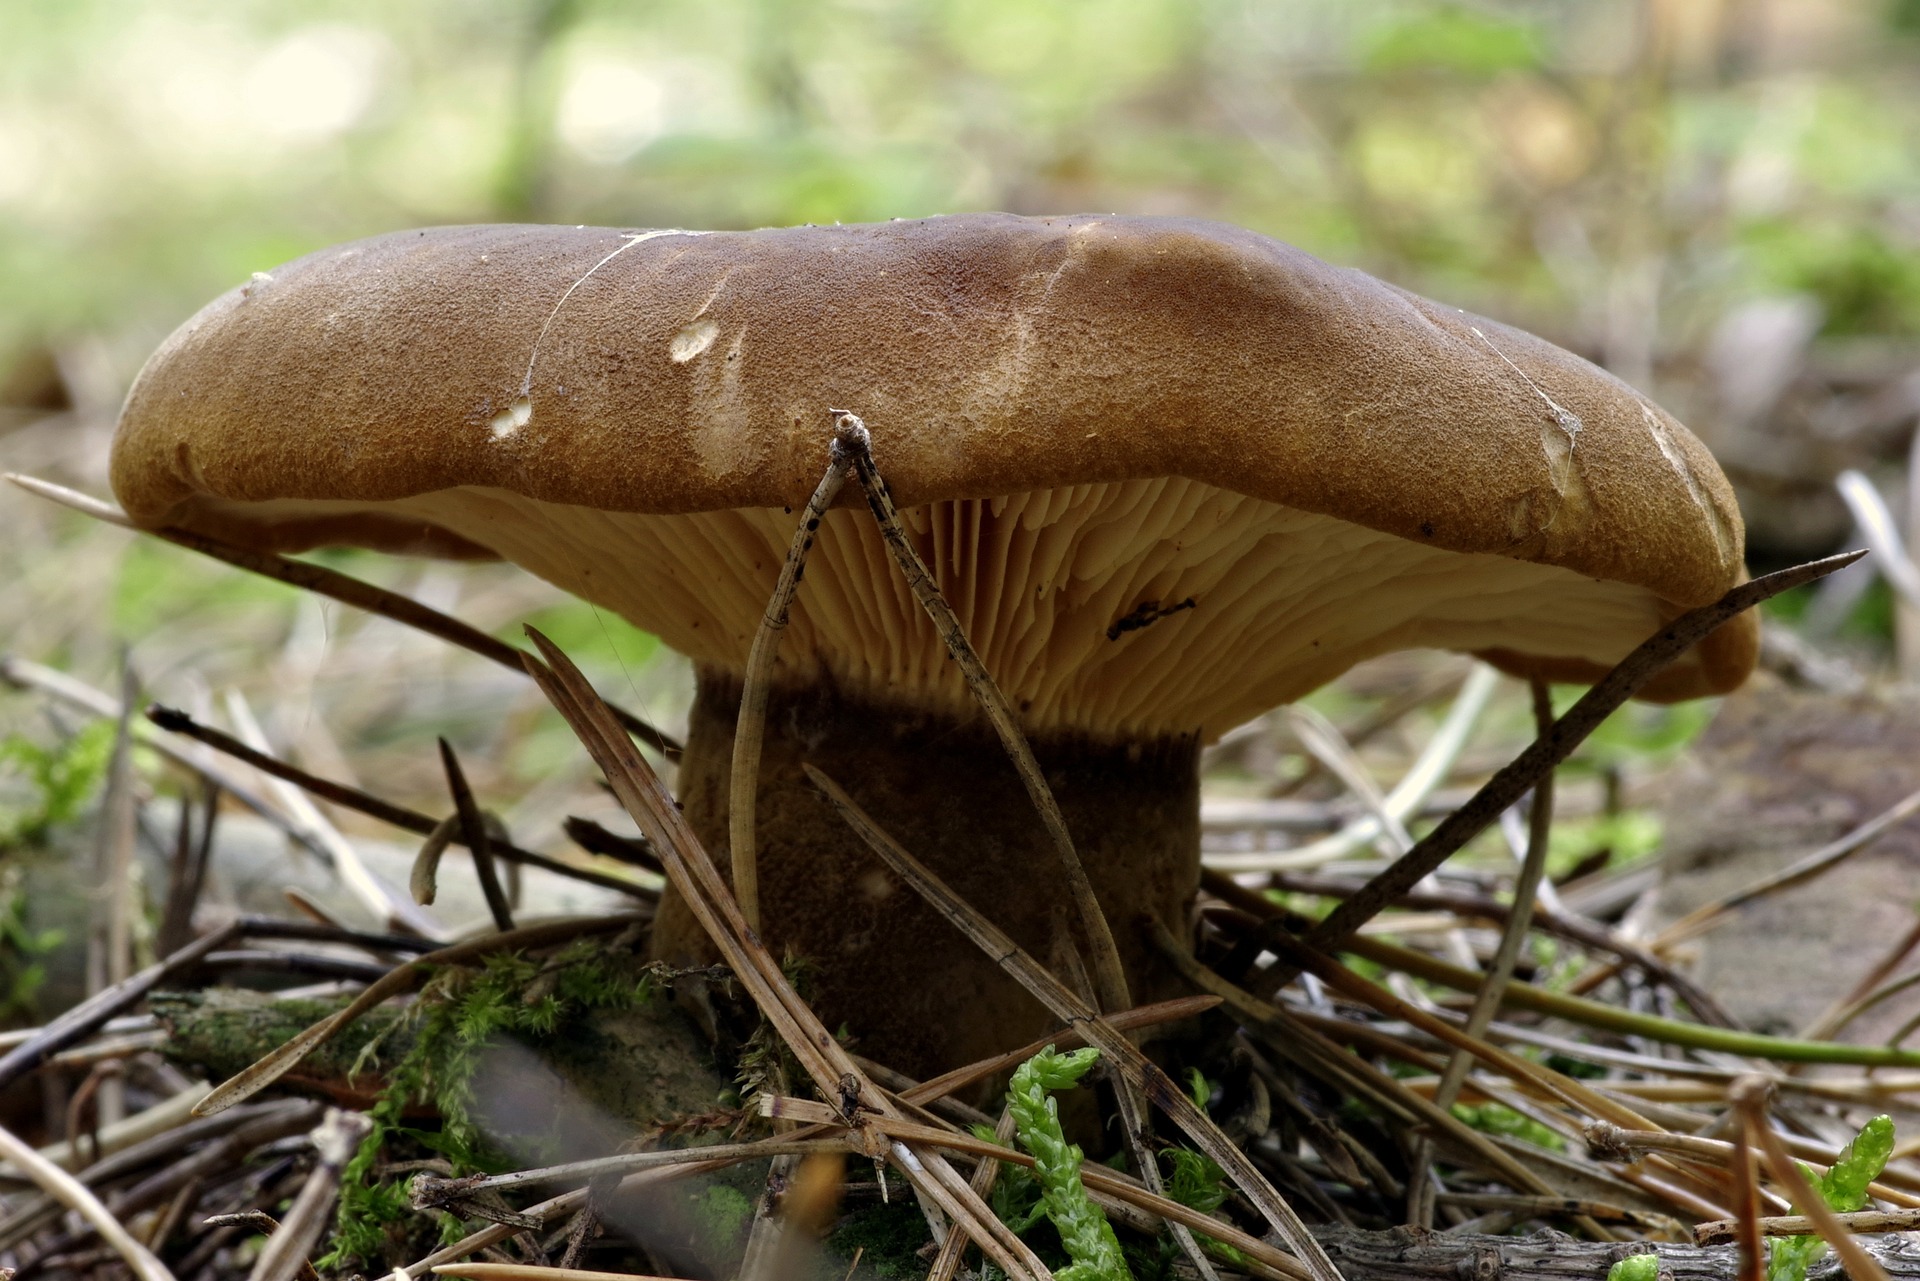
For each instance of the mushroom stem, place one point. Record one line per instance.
(917, 994)
(1109, 973)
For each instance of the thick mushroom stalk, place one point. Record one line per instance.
(1169, 474)
(880, 960)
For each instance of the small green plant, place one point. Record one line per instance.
(1496, 1118)
(1016, 1194)
(1083, 1228)
(1636, 1267)
(1844, 1188)
(61, 779)
(21, 947)
(1199, 1183)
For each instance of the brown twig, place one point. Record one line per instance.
(1557, 1085)
(595, 839)
(1746, 1185)
(750, 726)
(1279, 935)
(1749, 1099)
(175, 1214)
(187, 873)
(954, 1249)
(1526, 889)
(1104, 1183)
(1573, 928)
(853, 442)
(85, 1018)
(178, 722)
(1859, 1222)
(73, 1194)
(1301, 1043)
(334, 1143)
(1619, 1143)
(700, 885)
(568, 1202)
(1068, 1038)
(432, 1193)
(335, 586)
(1110, 981)
(1548, 751)
(473, 829)
(1493, 986)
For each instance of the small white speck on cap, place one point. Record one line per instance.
(693, 339)
(512, 418)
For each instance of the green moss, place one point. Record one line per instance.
(887, 1238)
(222, 1030)
(534, 1000)
(723, 1216)
(58, 780)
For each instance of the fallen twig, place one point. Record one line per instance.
(756, 684)
(334, 1143)
(282, 1060)
(1277, 936)
(853, 442)
(1513, 936)
(85, 1019)
(73, 1194)
(335, 586)
(1749, 1098)
(1551, 748)
(700, 885)
(473, 828)
(178, 722)
(1859, 1222)
(1108, 973)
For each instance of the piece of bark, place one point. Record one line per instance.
(645, 1066)
(1405, 1254)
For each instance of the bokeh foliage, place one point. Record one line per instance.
(1620, 175)
(1609, 171)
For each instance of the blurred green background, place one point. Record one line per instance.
(1716, 199)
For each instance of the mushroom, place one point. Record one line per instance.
(1169, 473)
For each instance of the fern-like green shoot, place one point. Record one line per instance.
(1083, 1228)
(1843, 1188)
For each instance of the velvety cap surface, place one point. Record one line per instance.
(553, 394)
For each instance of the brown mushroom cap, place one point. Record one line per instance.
(1170, 472)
